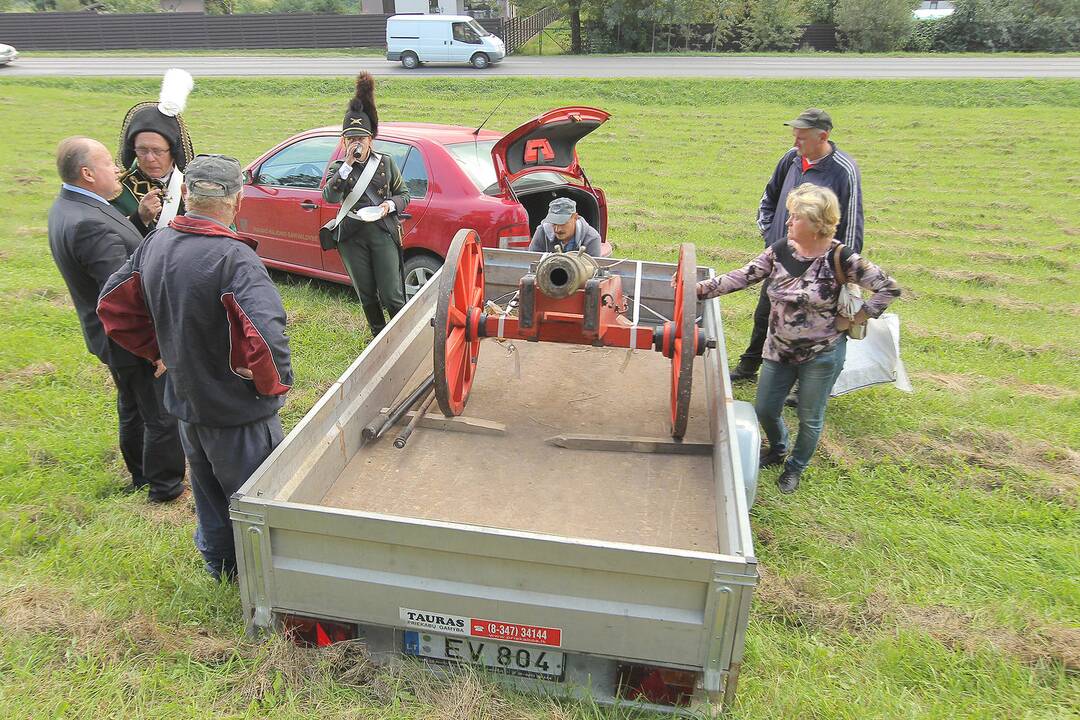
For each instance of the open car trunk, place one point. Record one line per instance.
(535, 198)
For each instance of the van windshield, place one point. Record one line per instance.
(478, 28)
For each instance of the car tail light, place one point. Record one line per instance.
(656, 685)
(316, 632)
(515, 237)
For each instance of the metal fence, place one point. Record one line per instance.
(183, 31)
(520, 30)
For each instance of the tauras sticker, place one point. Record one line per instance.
(434, 621)
(475, 627)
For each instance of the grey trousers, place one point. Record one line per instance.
(221, 460)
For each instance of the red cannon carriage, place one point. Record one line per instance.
(565, 298)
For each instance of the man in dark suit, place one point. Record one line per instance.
(90, 239)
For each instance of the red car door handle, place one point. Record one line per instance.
(308, 205)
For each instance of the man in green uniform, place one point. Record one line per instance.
(369, 236)
(154, 149)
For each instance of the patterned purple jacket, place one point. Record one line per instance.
(802, 321)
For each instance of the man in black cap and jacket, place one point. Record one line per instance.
(89, 240)
(370, 245)
(196, 297)
(813, 159)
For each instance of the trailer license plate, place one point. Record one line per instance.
(499, 657)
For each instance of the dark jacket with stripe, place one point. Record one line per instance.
(89, 241)
(386, 184)
(836, 171)
(197, 296)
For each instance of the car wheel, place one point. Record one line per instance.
(480, 61)
(418, 270)
(409, 60)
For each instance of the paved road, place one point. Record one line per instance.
(566, 66)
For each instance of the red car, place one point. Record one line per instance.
(499, 185)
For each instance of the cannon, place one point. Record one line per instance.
(564, 298)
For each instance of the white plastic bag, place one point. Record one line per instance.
(874, 360)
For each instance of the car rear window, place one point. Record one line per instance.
(475, 160)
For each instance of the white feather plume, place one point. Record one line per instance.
(175, 88)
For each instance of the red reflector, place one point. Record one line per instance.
(656, 685)
(316, 632)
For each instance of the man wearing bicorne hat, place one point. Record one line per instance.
(369, 236)
(154, 150)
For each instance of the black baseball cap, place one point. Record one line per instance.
(812, 118)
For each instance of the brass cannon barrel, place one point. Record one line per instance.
(560, 275)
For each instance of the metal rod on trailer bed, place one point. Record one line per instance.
(384, 421)
(401, 439)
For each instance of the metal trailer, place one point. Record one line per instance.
(598, 568)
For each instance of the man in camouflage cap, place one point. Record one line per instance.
(563, 227)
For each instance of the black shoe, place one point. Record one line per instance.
(792, 400)
(744, 371)
(167, 498)
(788, 482)
(133, 487)
(771, 458)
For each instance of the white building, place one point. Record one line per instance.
(934, 9)
(502, 8)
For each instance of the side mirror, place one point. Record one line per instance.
(248, 179)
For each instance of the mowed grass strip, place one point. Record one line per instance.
(926, 568)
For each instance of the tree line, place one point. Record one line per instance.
(861, 25)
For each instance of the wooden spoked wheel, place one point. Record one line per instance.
(457, 320)
(683, 334)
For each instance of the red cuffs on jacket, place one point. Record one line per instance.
(126, 320)
(248, 349)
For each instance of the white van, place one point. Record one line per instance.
(416, 39)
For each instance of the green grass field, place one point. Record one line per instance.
(927, 568)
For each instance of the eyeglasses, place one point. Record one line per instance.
(151, 152)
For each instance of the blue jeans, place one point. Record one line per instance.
(816, 378)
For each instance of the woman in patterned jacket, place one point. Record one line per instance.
(806, 340)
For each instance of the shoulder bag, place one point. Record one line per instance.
(850, 300)
(327, 234)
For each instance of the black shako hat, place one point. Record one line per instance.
(361, 117)
(162, 117)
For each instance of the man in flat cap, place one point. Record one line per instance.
(814, 159)
(89, 240)
(565, 228)
(197, 298)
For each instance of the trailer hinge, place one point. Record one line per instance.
(247, 517)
